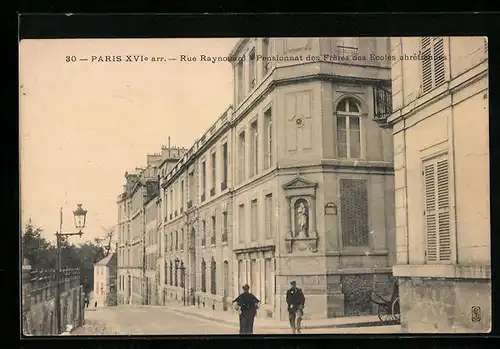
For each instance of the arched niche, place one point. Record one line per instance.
(301, 214)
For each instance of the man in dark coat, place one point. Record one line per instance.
(247, 304)
(296, 301)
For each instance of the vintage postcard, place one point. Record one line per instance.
(265, 185)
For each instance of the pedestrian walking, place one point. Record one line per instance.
(247, 304)
(95, 304)
(296, 301)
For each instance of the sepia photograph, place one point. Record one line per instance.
(260, 185)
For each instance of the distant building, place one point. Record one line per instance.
(105, 280)
(137, 237)
(441, 156)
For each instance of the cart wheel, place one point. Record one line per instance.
(396, 313)
(384, 314)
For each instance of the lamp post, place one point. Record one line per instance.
(80, 217)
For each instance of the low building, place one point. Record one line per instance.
(105, 281)
(441, 156)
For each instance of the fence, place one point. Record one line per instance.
(38, 300)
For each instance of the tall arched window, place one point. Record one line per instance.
(203, 276)
(171, 274)
(176, 240)
(171, 241)
(213, 274)
(225, 292)
(348, 129)
(182, 274)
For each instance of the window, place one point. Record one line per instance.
(203, 179)
(171, 205)
(268, 280)
(204, 232)
(183, 276)
(191, 188)
(182, 196)
(254, 277)
(213, 274)
(225, 167)
(241, 274)
(253, 220)
(225, 292)
(224, 226)
(212, 239)
(348, 46)
(354, 212)
(203, 276)
(176, 240)
(251, 70)
(171, 274)
(266, 54)
(348, 129)
(437, 210)
(254, 149)
(241, 81)
(241, 221)
(214, 173)
(269, 216)
(268, 140)
(433, 69)
(176, 278)
(182, 239)
(241, 157)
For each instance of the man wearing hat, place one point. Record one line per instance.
(247, 304)
(295, 300)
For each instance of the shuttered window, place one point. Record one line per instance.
(437, 210)
(433, 69)
(354, 212)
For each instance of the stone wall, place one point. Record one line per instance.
(38, 301)
(438, 305)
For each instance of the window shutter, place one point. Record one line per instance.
(433, 69)
(426, 65)
(437, 211)
(438, 61)
(443, 200)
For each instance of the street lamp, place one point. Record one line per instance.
(80, 216)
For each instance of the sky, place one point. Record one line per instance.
(84, 123)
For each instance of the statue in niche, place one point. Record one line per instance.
(302, 218)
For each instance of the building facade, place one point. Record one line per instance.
(105, 274)
(293, 182)
(137, 239)
(441, 156)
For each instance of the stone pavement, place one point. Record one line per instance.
(231, 318)
(174, 320)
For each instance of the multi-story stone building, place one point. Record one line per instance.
(196, 206)
(151, 248)
(441, 155)
(137, 244)
(295, 182)
(170, 156)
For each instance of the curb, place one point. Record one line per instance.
(344, 325)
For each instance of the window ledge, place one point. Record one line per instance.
(443, 271)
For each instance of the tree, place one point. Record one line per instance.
(42, 253)
(107, 240)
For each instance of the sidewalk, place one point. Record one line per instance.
(230, 317)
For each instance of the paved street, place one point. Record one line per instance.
(162, 321)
